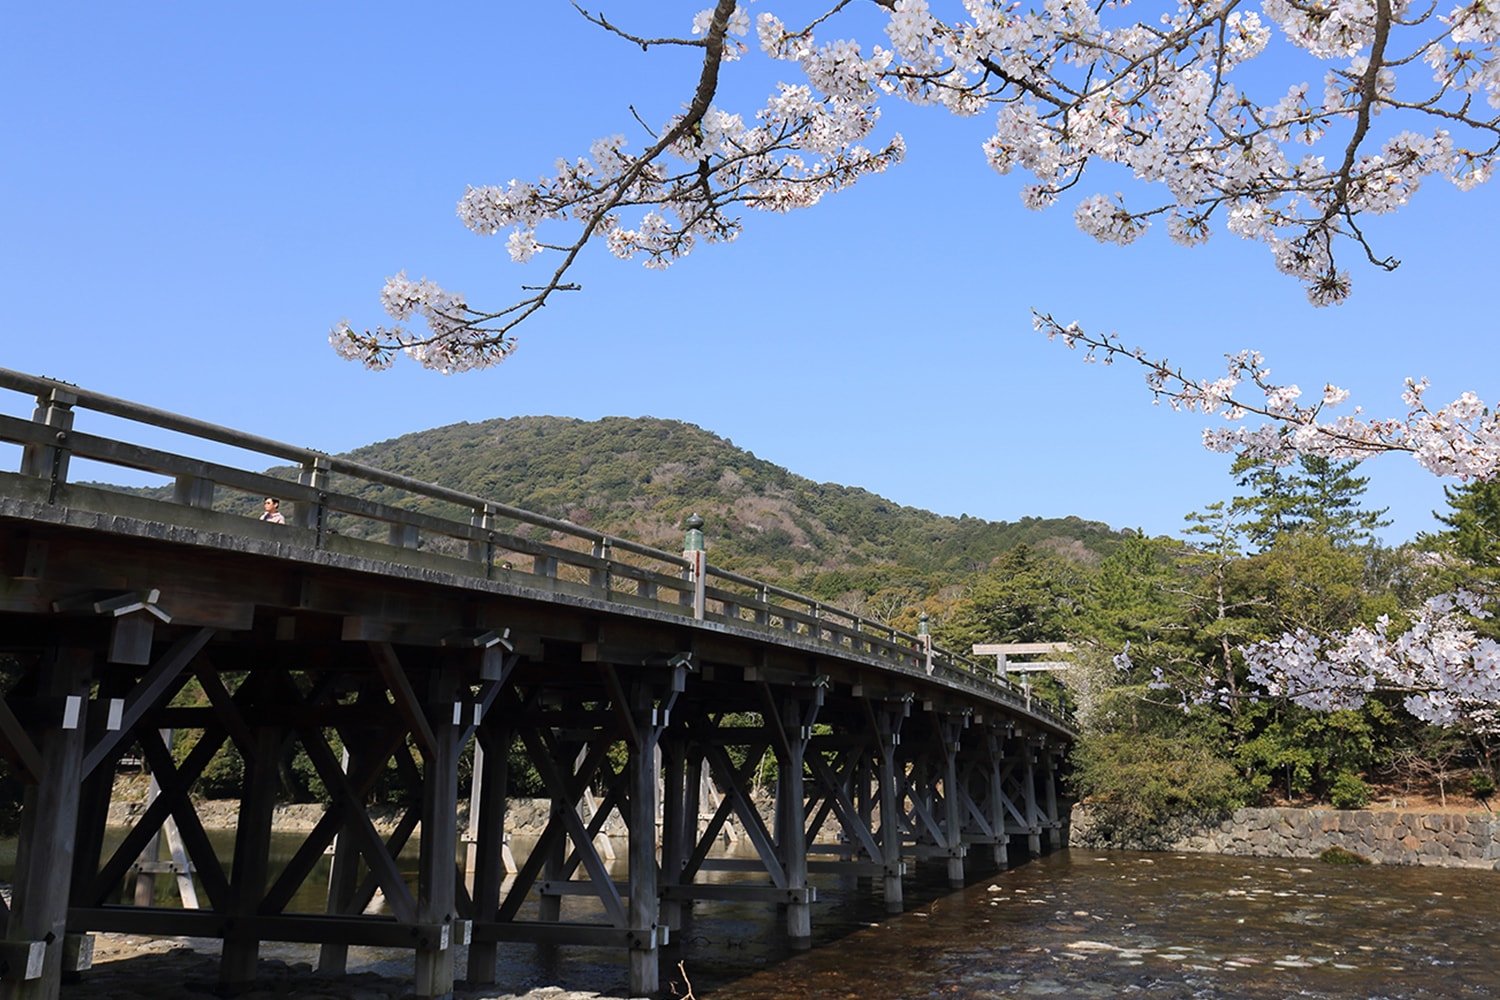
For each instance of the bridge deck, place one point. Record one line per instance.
(380, 637)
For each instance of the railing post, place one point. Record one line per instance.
(483, 518)
(53, 409)
(693, 552)
(599, 577)
(924, 634)
(314, 473)
(193, 491)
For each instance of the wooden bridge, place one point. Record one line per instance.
(388, 625)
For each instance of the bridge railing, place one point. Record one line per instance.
(331, 500)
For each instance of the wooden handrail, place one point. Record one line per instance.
(845, 628)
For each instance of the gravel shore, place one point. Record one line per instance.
(127, 967)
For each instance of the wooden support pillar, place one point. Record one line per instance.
(1028, 789)
(549, 906)
(437, 865)
(864, 789)
(890, 815)
(343, 867)
(679, 827)
(791, 819)
(488, 868)
(94, 795)
(49, 821)
(252, 857)
(1056, 829)
(953, 833)
(645, 976)
(996, 799)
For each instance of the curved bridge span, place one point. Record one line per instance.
(388, 626)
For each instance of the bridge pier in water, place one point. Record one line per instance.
(644, 684)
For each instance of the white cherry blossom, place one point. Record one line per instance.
(1154, 89)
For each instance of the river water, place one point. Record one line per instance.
(1081, 924)
(1072, 924)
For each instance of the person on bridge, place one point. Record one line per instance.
(273, 511)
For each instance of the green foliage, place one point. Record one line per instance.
(1134, 782)
(1473, 521)
(1023, 597)
(1348, 791)
(1305, 581)
(1305, 752)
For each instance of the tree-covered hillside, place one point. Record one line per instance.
(640, 477)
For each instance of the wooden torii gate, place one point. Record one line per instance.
(1003, 651)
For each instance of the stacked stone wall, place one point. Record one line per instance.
(1389, 837)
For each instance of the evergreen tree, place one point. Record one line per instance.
(1471, 546)
(1023, 597)
(1473, 534)
(1333, 495)
(1272, 509)
(1322, 497)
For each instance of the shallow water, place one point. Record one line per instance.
(1091, 924)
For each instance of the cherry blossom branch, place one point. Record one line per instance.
(1461, 439)
(1070, 84)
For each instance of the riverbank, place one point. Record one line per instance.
(1382, 836)
(1447, 839)
(129, 967)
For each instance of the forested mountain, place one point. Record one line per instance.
(640, 477)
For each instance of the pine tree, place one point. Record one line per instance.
(1473, 522)
(1322, 498)
(1272, 509)
(1471, 545)
(1333, 502)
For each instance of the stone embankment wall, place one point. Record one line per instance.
(527, 817)
(1390, 837)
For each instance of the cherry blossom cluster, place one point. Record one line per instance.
(454, 345)
(1446, 673)
(1069, 84)
(1461, 439)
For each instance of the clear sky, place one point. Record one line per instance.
(191, 194)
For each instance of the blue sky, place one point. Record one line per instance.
(191, 194)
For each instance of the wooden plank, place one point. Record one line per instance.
(553, 932)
